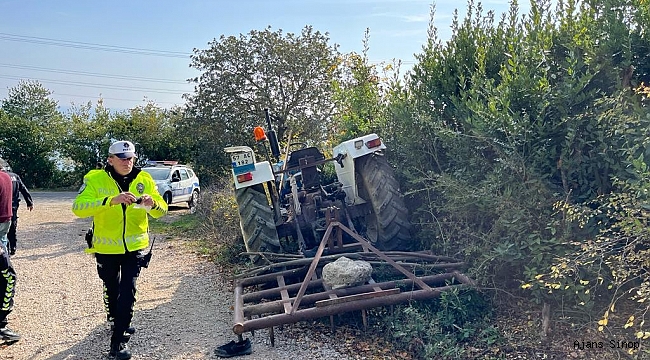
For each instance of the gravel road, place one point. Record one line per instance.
(183, 309)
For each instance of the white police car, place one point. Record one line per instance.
(176, 183)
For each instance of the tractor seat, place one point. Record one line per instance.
(295, 156)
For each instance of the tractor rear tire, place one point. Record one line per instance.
(257, 222)
(387, 226)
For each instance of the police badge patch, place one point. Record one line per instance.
(140, 188)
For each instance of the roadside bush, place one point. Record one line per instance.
(497, 223)
(441, 328)
(219, 226)
(65, 180)
(606, 270)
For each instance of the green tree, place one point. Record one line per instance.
(358, 95)
(155, 132)
(287, 73)
(86, 139)
(31, 130)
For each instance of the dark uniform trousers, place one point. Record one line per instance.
(7, 286)
(119, 273)
(11, 235)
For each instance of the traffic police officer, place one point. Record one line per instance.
(120, 198)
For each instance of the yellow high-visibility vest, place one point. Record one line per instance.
(117, 230)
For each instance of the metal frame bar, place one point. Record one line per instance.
(279, 306)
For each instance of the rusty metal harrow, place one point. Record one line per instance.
(292, 290)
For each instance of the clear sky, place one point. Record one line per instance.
(128, 51)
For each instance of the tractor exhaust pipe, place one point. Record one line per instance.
(273, 139)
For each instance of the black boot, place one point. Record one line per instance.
(8, 334)
(119, 351)
(130, 330)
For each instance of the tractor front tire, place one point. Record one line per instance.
(387, 225)
(257, 222)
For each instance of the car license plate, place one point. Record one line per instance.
(242, 162)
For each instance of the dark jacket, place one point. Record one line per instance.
(19, 188)
(5, 197)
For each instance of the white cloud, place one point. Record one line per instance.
(416, 18)
(406, 18)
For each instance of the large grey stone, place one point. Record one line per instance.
(345, 272)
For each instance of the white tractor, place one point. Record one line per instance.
(288, 201)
